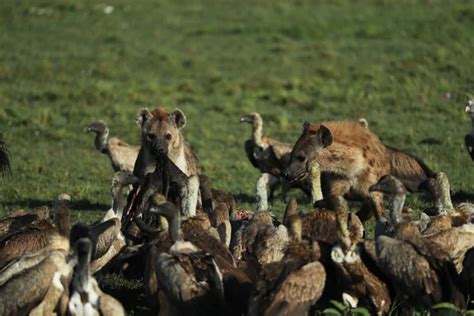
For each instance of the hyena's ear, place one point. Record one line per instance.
(306, 125)
(179, 118)
(143, 117)
(324, 136)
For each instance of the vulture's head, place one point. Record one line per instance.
(97, 127)
(388, 185)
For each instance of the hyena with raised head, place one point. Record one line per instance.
(351, 159)
(163, 144)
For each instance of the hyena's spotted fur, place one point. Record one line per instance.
(166, 153)
(352, 158)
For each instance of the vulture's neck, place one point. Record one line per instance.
(257, 131)
(396, 206)
(101, 140)
(82, 272)
(118, 201)
(175, 228)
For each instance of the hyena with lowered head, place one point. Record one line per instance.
(163, 143)
(351, 159)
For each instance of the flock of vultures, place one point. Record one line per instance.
(198, 253)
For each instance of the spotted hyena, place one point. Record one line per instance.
(167, 155)
(351, 159)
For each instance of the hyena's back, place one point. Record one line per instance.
(411, 170)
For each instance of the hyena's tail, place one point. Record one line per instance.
(411, 170)
(4, 158)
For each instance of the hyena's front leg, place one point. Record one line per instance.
(285, 188)
(336, 187)
(264, 183)
(189, 196)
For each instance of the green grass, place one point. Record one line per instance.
(406, 66)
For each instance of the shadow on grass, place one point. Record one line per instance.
(244, 198)
(129, 292)
(301, 199)
(430, 141)
(83, 205)
(462, 196)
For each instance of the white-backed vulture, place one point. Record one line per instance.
(321, 223)
(420, 270)
(259, 243)
(221, 209)
(295, 283)
(86, 298)
(29, 287)
(469, 138)
(448, 215)
(190, 282)
(21, 220)
(52, 303)
(37, 236)
(360, 285)
(269, 156)
(265, 153)
(4, 158)
(121, 155)
(198, 231)
(106, 236)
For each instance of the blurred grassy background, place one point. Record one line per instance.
(406, 66)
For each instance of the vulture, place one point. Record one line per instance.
(448, 215)
(270, 157)
(4, 158)
(259, 243)
(106, 236)
(198, 231)
(121, 155)
(321, 223)
(292, 285)
(420, 270)
(86, 298)
(55, 300)
(265, 153)
(360, 284)
(221, 209)
(39, 235)
(33, 285)
(20, 220)
(469, 138)
(190, 281)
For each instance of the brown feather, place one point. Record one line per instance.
(409, 271)
(122, 155)
(187, 279)
(26, 290)
(364, 285)
(290, 286)
(320, 225)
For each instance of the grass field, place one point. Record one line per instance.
(407, 66)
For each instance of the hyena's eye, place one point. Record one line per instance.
(301, 158)
(168, 136)
(151, 136)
